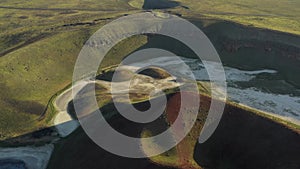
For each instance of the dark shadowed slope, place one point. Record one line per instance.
(246, 140)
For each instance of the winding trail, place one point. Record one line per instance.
(63, 121)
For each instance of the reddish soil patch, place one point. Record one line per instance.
(186, 147)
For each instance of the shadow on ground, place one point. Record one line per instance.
(245, 140)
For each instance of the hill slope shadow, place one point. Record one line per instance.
(245, 140)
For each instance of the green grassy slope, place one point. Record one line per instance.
(33, 74)
(271, 14)
(36, 72)
(38, 50)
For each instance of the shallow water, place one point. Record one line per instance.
(25, 157)
(12, 164)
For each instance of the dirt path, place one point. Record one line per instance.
(63, 121)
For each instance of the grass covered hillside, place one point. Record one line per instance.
(271, 14)
(39, 44)
(36, 72)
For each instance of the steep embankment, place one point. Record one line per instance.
(245, 139)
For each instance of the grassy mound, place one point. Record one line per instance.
(155, 73)
(120, 75)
